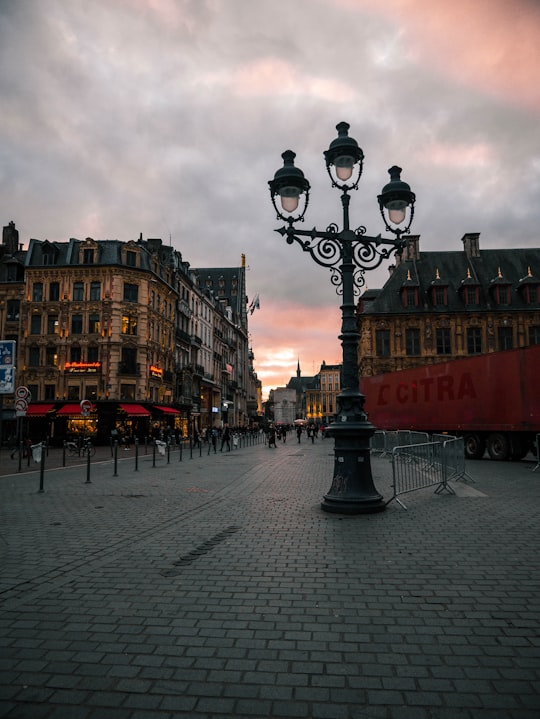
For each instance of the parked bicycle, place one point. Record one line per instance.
(81, 449)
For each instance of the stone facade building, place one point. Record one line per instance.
(441, 305)
(128, 326)
(321, 401)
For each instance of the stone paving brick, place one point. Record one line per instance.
(429, 613)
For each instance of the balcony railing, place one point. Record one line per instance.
(128, 368)
(182, 336)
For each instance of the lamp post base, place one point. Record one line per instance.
(352, 490)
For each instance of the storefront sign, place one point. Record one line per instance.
(80, 367)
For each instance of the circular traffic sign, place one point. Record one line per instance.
(21, 405)
(22, 392)
(86, 406)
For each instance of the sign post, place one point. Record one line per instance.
(86, 407)
(22, 398)
(7, 374)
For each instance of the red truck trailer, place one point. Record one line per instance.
(491, 400)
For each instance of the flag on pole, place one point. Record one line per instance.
(255, 305)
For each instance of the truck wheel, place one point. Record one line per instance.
(498, 446)
(475, 446)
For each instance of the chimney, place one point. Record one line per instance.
(154, 244)
(471, 244)
(412, 251)
(10, 238)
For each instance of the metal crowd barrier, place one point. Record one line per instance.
(420, 461)
(454, 459)
(417, 466)
(537, 453)
(383, 442)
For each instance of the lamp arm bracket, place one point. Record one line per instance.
(329, 249)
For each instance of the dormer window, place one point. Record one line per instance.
(440, 295)
(411, 297)
(502, 295)
(500, 290)
(49, 257)
(88, 251)
(528, 289)
(439, 291)
(409, 292)
(49, 253)
(472, 296)
(470, 290)
(532, 294)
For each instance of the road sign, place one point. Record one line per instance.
(7, 366)
(22, 393)
(86, 406)
(7, 352)
(7, 379)
(21, 405)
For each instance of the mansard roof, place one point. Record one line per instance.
(108, 252)
(454, 270)
(228, 286)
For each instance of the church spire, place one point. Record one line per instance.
(298, 369)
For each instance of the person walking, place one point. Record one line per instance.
(226, 438)
(299, 432)
(272, 437)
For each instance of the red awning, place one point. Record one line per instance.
(38, 410)
(135, 410)
(72, 409)
(166, 410)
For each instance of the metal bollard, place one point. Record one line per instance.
(136, 454)
(42, 468)
(88, 466)
(115, 473)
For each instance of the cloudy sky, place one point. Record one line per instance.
(168, 117)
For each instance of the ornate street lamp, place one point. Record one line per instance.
(348, 253)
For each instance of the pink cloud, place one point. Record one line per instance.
(474, 155)
(272, 76)
(491, 45)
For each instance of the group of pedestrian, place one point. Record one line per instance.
(276, 433)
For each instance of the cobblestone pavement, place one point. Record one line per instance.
(216, 587)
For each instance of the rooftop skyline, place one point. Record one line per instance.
(169, 118)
